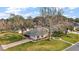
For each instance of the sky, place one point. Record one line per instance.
(71, 12)
(29, 7)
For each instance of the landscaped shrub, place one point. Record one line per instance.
(58, 33)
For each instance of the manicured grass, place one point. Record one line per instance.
(42, 45)
(8, 37)
(73, 38)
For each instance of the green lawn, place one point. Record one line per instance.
(9, 37)
(42, 45)
(45, 45)
(73, 38)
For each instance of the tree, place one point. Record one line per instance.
(48, 13)
(18, 22)
(29, 17)
(29, 23)
(77, 20)
(39, 21)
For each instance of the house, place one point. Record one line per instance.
(37, 33)
(76, 26)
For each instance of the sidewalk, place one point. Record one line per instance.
(75, 32)
(66, 41)
(15, 43)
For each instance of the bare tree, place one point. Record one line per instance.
(46, 12)
(49, 13)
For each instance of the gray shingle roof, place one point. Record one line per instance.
(38, 31)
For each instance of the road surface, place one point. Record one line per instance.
(74, 47)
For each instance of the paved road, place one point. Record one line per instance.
(73, 48)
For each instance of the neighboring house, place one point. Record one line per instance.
(76, 26)
(37, 33)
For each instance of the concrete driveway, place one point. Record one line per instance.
(15, 43)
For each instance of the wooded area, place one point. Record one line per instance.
(50, 17)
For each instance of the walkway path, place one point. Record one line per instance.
(75, 32)
(65, 41)
(15, 43)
